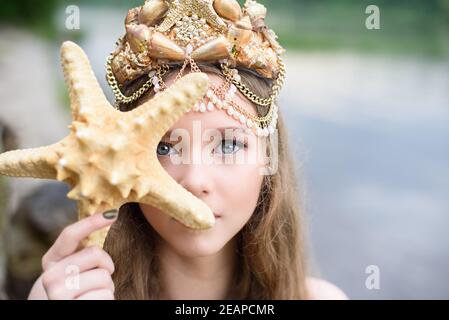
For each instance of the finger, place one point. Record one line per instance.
(102, 294)
(73, 265)
(70, 238)
(95, 280)
(80, 284)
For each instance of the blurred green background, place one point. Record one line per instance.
(416, 27)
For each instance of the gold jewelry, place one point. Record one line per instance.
(184, 32)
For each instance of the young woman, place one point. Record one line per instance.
(256, 249)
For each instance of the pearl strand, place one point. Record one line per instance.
(225, 104)
(216, 103)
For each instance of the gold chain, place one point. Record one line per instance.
(251, 95)
(119, 96)
(220, 92)
(162, 69)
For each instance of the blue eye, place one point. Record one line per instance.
(164, 148)
(230, 146)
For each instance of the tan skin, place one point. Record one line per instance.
(204, 260)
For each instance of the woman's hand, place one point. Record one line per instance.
(70, 273)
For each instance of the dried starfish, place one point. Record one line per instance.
(110, 158)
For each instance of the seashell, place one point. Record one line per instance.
(244, 23)
(228, 9)
(125, 70)
(102, 180)
(132, 17)
(272, 39)
(238, 36)
(257, 13)
(257, 59)
(216, 49)
(138, 36)
(161, 47)
(152, 12)
(272, 61)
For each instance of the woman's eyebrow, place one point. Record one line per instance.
(242, 129)
(221, 129)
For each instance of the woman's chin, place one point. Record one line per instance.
(198, 249)
(196, 243)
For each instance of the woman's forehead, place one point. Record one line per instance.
(218, 80)
(211, 120)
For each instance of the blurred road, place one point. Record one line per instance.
(372, 137)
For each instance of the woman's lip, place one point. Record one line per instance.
(216, 215)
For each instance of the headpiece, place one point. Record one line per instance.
(162, 33)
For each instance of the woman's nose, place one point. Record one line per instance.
(195, 178)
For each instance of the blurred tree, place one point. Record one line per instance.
(27, 11)
(444, 6)
(37, 15)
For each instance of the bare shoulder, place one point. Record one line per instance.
(320, 289)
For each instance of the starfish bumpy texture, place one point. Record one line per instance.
(109, 158)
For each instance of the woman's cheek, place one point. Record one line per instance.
(241, 188)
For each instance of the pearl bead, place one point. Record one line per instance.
(266, 132)
(202, 107)
(236, 115)
(196, 107)
(210, 106)
(231, 111)
(242, 119)
(249, 123)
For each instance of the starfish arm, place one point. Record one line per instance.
(161, 112)
(171, 198)
(86, 95)
(33, 163)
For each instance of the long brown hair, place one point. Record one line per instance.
(271, 246)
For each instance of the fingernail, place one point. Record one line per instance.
(110, 214)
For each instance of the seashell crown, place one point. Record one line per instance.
(162, 33)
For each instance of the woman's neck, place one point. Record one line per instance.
(184, 278)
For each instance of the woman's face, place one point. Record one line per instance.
(222, 167)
